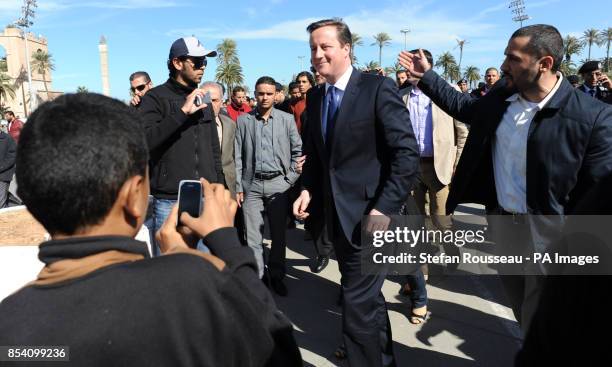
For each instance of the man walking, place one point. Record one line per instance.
(362, 158)
(14, 125)
(182, 136)
(238, 106)
(267, 149)
(536, 145)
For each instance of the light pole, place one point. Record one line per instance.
(300, 60)
(27, 13)
(405, 32)
(518, 8)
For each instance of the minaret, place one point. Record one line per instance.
(104, 66)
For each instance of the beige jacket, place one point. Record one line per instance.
(449, 136)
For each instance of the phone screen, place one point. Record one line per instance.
(207, 99)
(190, 198)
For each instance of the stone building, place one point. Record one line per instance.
(13, 64)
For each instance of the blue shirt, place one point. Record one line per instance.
(419, 106)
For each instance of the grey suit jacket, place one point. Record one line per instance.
(287, 147)
(227, 152)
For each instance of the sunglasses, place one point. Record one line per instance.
(139, 88)
(198, 62)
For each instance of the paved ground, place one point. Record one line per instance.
(469, 323)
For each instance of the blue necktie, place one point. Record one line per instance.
(331, 108)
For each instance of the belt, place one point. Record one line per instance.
(517, 218)
(266, 175)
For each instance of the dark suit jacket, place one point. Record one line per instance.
(373, 159)
(569, 146)
(8, 153)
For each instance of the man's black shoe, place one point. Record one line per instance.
(279, 287)
(321, 264)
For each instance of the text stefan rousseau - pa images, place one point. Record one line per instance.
(412, 237)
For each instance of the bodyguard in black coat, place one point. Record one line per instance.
(536, 146)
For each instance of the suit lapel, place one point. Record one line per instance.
(315, 110)
(348, 100)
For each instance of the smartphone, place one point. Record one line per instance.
(205, 99)
(190, 198)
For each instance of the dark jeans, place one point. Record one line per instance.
(418, 291)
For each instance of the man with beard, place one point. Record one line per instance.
(181, 134)
(596, 82)
(536, 145)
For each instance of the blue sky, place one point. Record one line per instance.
(271, 33)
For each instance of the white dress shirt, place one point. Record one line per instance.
(510, 150)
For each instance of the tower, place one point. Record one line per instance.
(104, 66)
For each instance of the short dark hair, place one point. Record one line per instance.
(237, 89)
(75, 154)
(428, 55)
(398, 72)
(265, 80)
(293, 85)
(139, 74)
(308, 76)
(544, 40)
(279, 87)
(492, 68)
(9, 113)
(343, 31)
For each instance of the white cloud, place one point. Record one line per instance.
(447, 28)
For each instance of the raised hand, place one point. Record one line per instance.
(415, 64)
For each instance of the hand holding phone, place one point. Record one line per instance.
(190, 198)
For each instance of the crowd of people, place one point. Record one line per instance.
(343, 144)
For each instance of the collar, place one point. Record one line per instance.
(258, 116)
(240, 108)
(546, 99)
(587, 88)
(343, 81)
(415, 91)
(179, 87)
(79, 247)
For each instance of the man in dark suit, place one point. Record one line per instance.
(361, 160)
(536, 146)
(596, 82)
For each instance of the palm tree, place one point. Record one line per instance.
(394, 69)
(6, 87)
(571, 46)
(355, 41)
(227, 52)
(82, 89)
(605, 37)
(589, 37)
(472, 74)
(460, 44)
(381, 40)
(445, 61)
(453, 73)
(372, 65)
(230, 75)
(42, 63)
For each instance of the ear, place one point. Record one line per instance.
(135, 195)
(546, 63)
(178, 64)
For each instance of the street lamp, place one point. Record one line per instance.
(25, 22)
(405, 32)
(300, 60)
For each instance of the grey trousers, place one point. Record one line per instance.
(267, 197)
